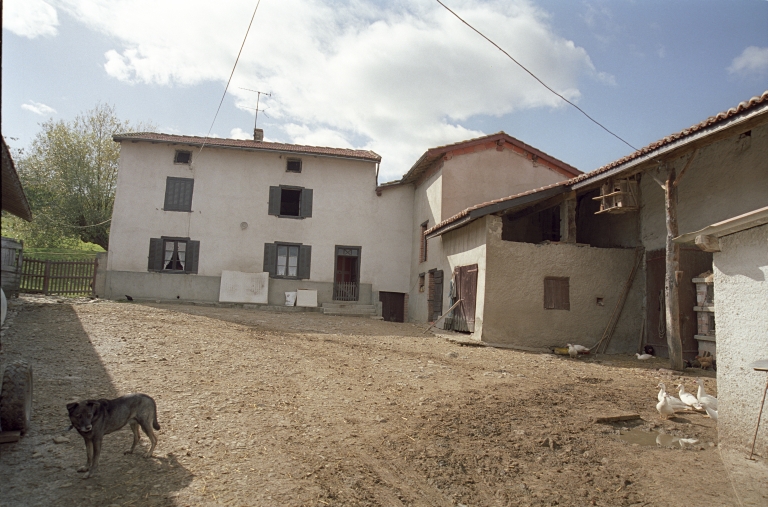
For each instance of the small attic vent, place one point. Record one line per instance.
(618, 196)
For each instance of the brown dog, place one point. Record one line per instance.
(95, 418)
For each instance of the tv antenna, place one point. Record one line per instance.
(258, 97)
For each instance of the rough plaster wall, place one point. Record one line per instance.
(478, 177)
(727, 178)
(464, 247)
(426, 207)
(514, 311)
(232, 186)
(741, 317)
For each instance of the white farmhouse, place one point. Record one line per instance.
(309, 216)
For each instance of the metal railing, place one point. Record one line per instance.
(345, 291)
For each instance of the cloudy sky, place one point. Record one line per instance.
(393, 76)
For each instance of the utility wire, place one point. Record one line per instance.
(535, 77)
(230, 76)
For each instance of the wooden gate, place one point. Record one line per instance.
(435, 295)
(392, 306)
(692, 263)
(66, 278)
(465, 278)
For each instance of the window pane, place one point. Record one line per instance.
(293, 260)
(282, 259)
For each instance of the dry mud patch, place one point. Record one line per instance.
(260, 408)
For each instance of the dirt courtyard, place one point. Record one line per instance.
(302, 409)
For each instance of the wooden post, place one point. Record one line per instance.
(673, 275)
(46, 277)
(568, 219)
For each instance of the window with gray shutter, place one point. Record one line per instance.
(287, 260)
(557, 293)
(290, 202)
(178, 194)
(173, 255)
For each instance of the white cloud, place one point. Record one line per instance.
(38, 108)
(396, 78)
(30, 18)
(238, 133)
(752, 61)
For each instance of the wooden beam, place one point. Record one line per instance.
(568, 219)
(708, 243)
(549, 203)
(671, 282)
(687, 165)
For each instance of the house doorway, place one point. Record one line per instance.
(392, 306)
(346, 281)
(465, 279)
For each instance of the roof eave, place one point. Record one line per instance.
(733, 225)
(119, 138)
(749, 118)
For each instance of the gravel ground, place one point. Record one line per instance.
(283, 409)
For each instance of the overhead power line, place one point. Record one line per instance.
(230, 75)
(534, 76)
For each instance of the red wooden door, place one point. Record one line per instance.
(465, 278)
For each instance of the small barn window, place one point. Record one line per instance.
(293, 165)
(556, 293)
(422, 279)
(423, 242)
(182, 157)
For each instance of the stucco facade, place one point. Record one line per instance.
(230, 218)
(458, 177)
(741, 312)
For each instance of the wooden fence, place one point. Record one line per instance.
(66, 278)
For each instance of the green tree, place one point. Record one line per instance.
(69, 175)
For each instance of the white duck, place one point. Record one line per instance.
(706, 400)
(674, 402)
(643, 357)
(711, 412)
(573, 351)
(664, 407)
(688, 398)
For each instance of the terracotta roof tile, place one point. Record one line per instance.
(248, 144)
(743, 106)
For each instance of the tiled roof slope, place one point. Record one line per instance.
(432, 155)
(712, 120)
(248, 144)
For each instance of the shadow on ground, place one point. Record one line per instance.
(40, 469)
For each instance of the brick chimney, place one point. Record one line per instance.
(258, 134)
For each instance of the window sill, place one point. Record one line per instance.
(178, 210)
(291, 216)
(171, 272)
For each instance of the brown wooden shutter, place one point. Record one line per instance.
(557, 293)
(274, 201)
(192, 256)
(155, 258)
(305, 260)
(270, 258)
(306, 202)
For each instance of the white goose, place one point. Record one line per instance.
(675, 403)
(711, 412)
(643, 357)
(664, 408)
(706, 400)
(688, 398)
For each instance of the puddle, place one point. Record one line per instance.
(651, 438)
